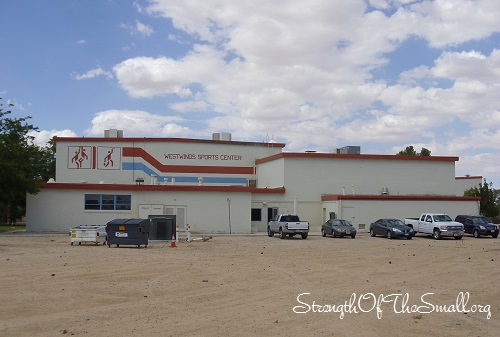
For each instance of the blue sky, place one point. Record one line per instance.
(316, 75)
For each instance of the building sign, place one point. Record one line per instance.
(108, 158)
(194, 156)
(80, 157)
(94, 157)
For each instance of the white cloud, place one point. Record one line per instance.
(451, 22)
(472, 97)
(144, 30)
(139, 28)
(148, 77)
(93, 74)
(136, 123)
(42, 137)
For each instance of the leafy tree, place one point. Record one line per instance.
(23, 164)
(425, 152)
(488, 204)
(410, 151)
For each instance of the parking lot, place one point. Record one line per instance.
(251, 285)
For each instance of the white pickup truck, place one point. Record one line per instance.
(288, 224)
(436, 224)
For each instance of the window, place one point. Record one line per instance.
(107, 202)
(271, 213)
(256, 214)
(123, 202)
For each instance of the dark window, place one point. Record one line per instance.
(107, 202)
(92, 201)
(256, 214)
(123, 202)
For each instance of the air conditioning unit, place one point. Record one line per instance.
(252, 182)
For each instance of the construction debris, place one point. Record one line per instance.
(203, 238)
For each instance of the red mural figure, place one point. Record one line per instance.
(107, 160)
(79, 157)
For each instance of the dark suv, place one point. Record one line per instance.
(477, 225)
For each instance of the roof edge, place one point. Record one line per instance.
(164, 140)
(353, 156)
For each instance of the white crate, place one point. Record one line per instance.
(95, 234)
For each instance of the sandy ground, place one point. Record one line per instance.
(250, 286)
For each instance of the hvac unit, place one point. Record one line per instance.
(349, 150)
(221, 136)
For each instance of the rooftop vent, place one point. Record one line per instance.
(221, 136)
(113, 133)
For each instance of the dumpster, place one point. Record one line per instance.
(128, 232)
(95, 234)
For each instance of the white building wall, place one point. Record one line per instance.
(206, 212)
(465, 183)
(123, 160)
(60, 210)
(271, 174)
(308, 178)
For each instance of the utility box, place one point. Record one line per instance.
(128, 232)
(95, 234)
(163, 227)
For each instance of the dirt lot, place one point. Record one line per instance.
(249, 286)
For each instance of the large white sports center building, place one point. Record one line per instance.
(226, 186)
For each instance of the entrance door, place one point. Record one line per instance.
(271, 213)
(180, 214)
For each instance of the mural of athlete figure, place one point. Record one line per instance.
(107, 160)
(79, 157)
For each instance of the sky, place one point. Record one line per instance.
(315, 75)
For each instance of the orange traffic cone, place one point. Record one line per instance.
(172, 243)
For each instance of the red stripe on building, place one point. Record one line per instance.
(94, 157)
(153, 188)
(399, 197)
(138, 152)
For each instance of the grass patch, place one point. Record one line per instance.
(15, 228)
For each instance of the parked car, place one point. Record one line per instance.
(391, 228)
(478, 225)
(338, 228)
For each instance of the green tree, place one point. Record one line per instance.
(488, 204)
(410, 151)
(23, 165)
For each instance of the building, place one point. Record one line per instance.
(225, 186)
